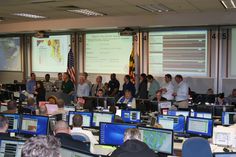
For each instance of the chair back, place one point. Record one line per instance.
(196, 147)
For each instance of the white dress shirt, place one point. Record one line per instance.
(182, 91)
(88, 133)
(83, 90)
(170, 90)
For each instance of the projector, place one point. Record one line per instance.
(127, 32)
(41, 34)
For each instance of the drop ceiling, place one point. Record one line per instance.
(56, 9)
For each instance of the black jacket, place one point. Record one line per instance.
(133, 148)
(142, 90)
(69, 142)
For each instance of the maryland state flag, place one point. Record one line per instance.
(132, 66)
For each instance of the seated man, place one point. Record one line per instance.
(61, 110)
(128, 99)
(31, 107)
(41, 146)
(159, 97)
(11, 107)
(133, 146)
(118, 119)
(62, 131)
(3, 128)
(77, 123)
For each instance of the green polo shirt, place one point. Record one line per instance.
(67, 87)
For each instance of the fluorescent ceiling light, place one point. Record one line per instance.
(86, 12)
(33, 16)
(155, 8)
(228, 4)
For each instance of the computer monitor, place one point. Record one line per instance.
(176, 123)
(11, 148)
(113, 133)
(131, 116)
(102, 117)
(199, 126)
(51, 108)
(178, 113)
(70, 152)
(159, 140)
(201, 115)
(225, 154)
(87, 118)
(14, 122)
(228, 118)
(34, 125)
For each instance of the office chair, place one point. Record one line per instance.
(196, 147)
(80, 137)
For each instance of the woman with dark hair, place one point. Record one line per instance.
(40, 91)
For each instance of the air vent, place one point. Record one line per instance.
(155, 8)
(68, 7)
(43, 1)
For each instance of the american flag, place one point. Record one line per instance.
(132, 66)
(71, 65)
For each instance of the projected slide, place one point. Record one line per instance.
(50, 54)
(178, 52)
(10, 54)
(233, 53)
(107, 53)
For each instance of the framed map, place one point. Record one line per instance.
(10, 54)
(50, 54)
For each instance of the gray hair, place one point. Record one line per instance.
(42, 146)
(132, 134)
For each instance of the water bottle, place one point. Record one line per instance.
(105, 103)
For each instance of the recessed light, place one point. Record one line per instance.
(86, 12)
(33, 16)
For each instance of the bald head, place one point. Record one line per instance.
(61, 127)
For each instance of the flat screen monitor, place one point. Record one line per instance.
(34, 125)
(201, 115)
(14, 122)
(131, 116)
(199, 126)
(159, 140)
(102, 117)
(176, 123)
(178, 113)
(11, 148)
(225, 154)
(228, 118)
(113, 133)
(87, 118)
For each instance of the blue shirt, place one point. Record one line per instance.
(30, 85)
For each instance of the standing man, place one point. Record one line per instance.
(154, 87)
(85, 74)
(97, 86)
(67, 86)
(114, 86)
(83, 88)
(48, 85)
(58, 82)
(168, 88)
(181, 94)
(128, 85)
(142, 89)
(31, 84)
